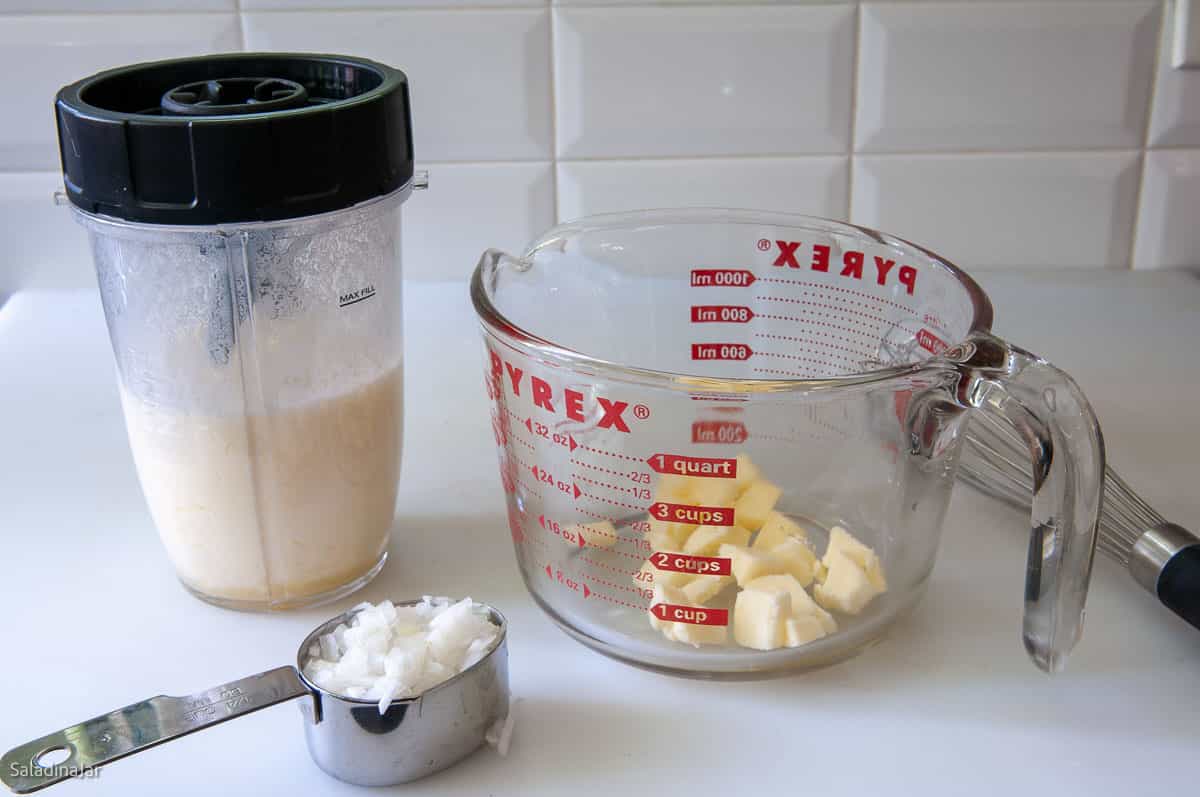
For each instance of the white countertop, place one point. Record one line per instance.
(948, 704)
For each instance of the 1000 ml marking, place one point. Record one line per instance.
(721, 314)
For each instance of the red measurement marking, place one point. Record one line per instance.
(693, 615)
(712, 467)
(618, 488)
(543, 431)
(609, 453)
(553, 527)
(721, 278)
(683, 563)
(718, 432)
(545, 477)
(694, 515)
(838, 311)
(801, 358)
(613, 569)
(640, 592)
(721, 351)
(600, 468)
(778, 372)
(721, 314)
(610, 501)
(575, 585)
(870, 335)
(849, 291)
(812, 341)
(931, 342)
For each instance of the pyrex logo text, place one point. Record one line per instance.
(571, 401)
(852, 263)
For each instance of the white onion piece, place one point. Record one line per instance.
(390, 652)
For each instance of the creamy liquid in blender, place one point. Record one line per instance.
(272, 509)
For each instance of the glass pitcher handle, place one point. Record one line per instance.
(1066, 451)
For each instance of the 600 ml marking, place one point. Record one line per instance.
(354, 297)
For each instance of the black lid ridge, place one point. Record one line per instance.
(238, 137)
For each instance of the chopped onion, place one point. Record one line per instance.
(390, 652)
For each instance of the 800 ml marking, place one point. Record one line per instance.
(721, 313)
(721, 351)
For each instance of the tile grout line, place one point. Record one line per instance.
(552, 15)
(854, 78)
(1164, 10)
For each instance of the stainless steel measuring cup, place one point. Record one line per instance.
(347, 738)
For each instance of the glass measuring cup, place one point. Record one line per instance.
(625, 352)
(348, 738)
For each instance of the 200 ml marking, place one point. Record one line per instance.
(354, 297)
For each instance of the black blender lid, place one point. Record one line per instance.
(234, 138)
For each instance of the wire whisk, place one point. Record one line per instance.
(1162, 557)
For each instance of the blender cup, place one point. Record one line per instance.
(727, 439)
(243, 212)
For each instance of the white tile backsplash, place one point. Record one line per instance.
(469, 208)
(815, 185)
(700, 80)
(1168, 233)
(480, 81)
(40, 54)
(998, 132)
(937, 77)
(1175, 118)
(43, 246)
(987, 211)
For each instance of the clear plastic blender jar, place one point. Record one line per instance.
(728, 439)
(244, 213)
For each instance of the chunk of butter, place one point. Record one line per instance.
(708, 491)
(673, 488)
(748, 564)
(777, 528)
(847, 588)
(751, 509)
(668, 530)
(796, 558)
(801, 630)
(747, 472)
(802, 604)
(758, 618)
(707, 540)
(700, 634)
(842, 541)
(702, 589)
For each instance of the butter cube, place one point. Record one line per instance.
(802, 604)
(669, 530)
(698, 635)
(706, 540)
(847, 587)
(748, 564)
(751, 509)
(661, 540)
(673, 488)
(777, 528)
(758, 618)
(796, 558)
(601, 534)
(747, 472)
(801, 630)
(650, 575)
(842, 541)
(702, 589)
(708, 491)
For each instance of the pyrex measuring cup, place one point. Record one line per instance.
(838, 364)
(348, 738)
(244, 218)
